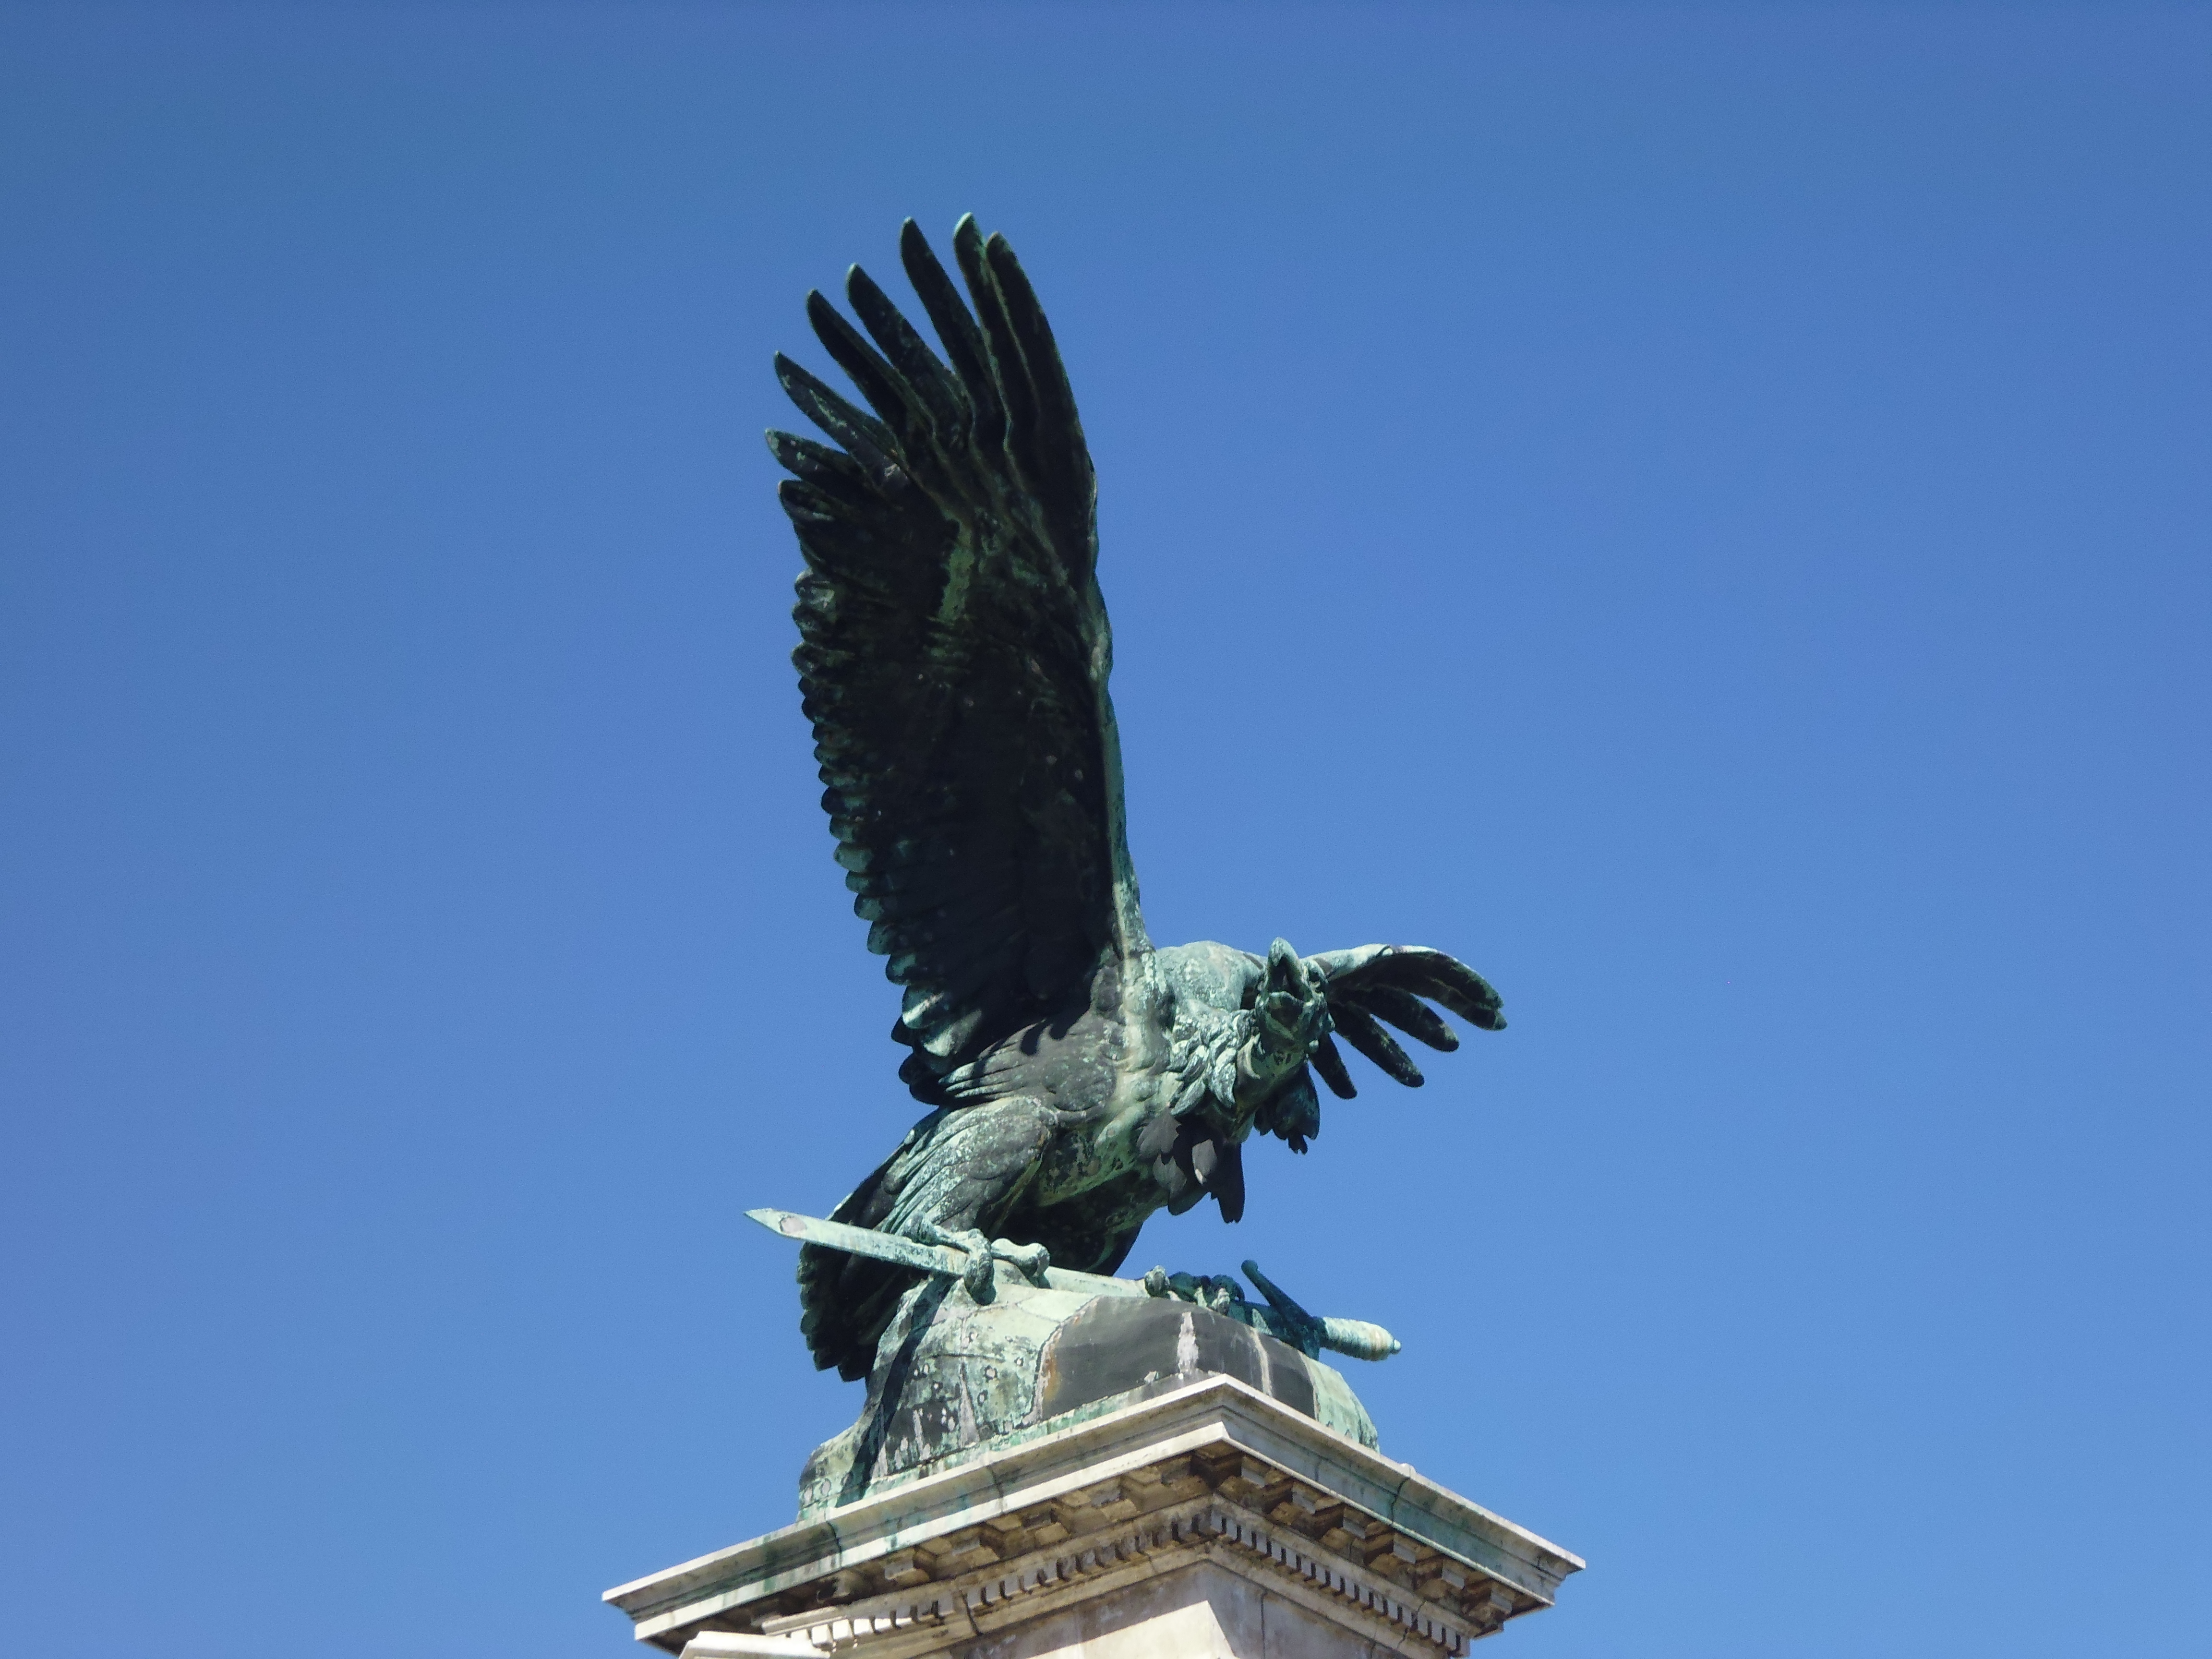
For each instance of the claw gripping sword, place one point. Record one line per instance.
(1282, 1318)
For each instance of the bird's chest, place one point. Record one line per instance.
(1086, 1157)
(1089, 1156)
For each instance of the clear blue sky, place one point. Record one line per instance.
(1703, 513)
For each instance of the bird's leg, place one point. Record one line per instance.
(1033, 1259)
(978, 1277)
(1216, 1291)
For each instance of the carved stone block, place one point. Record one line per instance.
(1149, 1532)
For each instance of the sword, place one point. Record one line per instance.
(1286, 1320)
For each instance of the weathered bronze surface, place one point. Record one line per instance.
(952, 1377)
(954, 658)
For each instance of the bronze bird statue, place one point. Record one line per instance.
(953, 659)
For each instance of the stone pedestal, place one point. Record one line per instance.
(1206, 1522)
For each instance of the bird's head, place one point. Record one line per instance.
(1290, 1019)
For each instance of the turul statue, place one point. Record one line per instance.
(1075, 1078)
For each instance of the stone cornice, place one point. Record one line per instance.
(1208, 1467)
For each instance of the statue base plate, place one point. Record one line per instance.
(1207, 1519)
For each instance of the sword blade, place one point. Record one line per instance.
(864, 1241)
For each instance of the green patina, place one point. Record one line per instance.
(953, 660)
(955, 1376)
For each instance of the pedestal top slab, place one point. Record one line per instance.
(1207, 1468)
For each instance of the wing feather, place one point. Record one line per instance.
(866, 440)
(1052, 452)
(895, 401)
(955, 328)
(940, 394)
(1329, 1062)
(1408, 1013)
(1358, 1029)
(1378, 982)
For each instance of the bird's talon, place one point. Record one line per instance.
(1034, 1260)
(978, 1277)
(1215, 1290)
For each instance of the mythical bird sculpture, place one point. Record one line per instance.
(953, 660)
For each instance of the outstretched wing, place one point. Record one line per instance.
(1384, 984)
(955, 652)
